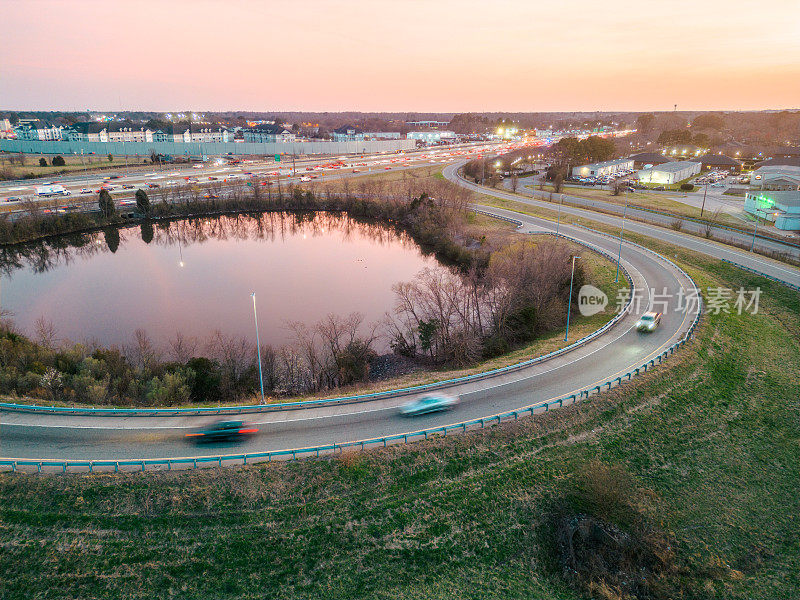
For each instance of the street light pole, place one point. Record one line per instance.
(569, 306)
(558, 222)
(621, 230)
(258, 348)
(755, 231)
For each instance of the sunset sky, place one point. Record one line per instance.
(399, 55)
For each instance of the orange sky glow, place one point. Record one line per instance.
(400, 55)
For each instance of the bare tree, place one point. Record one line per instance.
(46, 332)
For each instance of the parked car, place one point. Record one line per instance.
(649, 321)
(221, 431)
(428, 404)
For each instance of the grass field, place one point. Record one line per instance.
(654, 201)
(90, 164)
(712, 435)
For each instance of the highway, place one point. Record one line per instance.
(84, 187)
(791, 249)
(34, 435)
(763, 264)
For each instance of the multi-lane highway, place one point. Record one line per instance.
(67, 436)
(771, 267)
(83, 187)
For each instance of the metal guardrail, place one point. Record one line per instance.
(755, 272)
(462, 427)
(260, 408)
(703, 222)
(315, 451)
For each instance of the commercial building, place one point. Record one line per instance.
(780, 207)
(600, 169)
(348, 133)
(431, 137)
(645, 160)
(714, 162)
(775, 178)
(427, 123)
(669, 173)
(268, 133)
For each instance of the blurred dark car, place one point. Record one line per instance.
(222, 431)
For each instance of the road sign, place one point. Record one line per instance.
(277, 158)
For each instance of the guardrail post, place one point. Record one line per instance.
(195, 463)
(14, 466)
(142, 466)
(64, 467)
(39, 467)
(90, 467)
(169, 465)
(219, 461)
(116, 466)
(294, 455)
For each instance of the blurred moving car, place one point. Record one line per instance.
(221, 431)
(648, 321)
(428, 404)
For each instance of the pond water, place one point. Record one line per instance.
(196, 276)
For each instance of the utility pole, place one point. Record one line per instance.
(705, 191)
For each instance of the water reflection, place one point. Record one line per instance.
(196, 275)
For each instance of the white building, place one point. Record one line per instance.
(267, 133)
(38, 130)
(431, 137)
(775, 178)
(348, 133)
(382, 135)
(669, 173)
(200, 133)
(602, 168)
(780, 207)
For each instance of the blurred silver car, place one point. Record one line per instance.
(428, 404)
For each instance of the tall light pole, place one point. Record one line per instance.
(755, 231)
(569, 306)
(621, 231)
(258, 348)
(558, 222)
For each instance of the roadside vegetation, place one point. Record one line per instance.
(680, 484)
(500, 292)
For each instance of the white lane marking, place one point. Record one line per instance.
(303, 418)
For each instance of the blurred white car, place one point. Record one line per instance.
(649, 321)
(428, 404)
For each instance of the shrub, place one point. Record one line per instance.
(42, 162)
(58, 161)
(687, 187)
